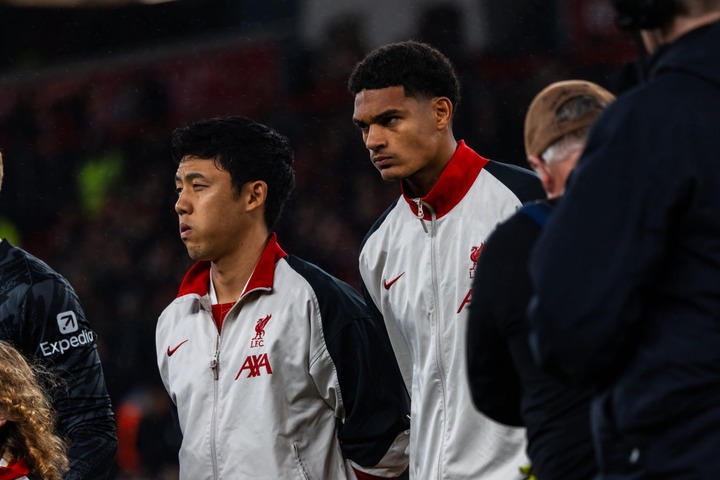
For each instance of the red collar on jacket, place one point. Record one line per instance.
(454, 182)
(197, 279)
(14, 470)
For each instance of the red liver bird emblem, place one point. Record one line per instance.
(474, 257)
(257, 340)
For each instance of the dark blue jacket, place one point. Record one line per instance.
(627, 272)
(40, 314)
(505, 383)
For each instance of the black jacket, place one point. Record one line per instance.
(42, 317)
(505, 383)
(627, 272)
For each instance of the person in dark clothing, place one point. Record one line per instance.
(627, 271)
(41, 316)
(505, 383)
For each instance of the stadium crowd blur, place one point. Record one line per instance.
(89, 181)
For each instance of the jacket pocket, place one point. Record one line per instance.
(299, 463)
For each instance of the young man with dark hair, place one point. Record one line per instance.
(275, 367)
(41, 315)
(627, 271)
(418, 260)
(505, 382)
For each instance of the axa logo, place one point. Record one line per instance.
(465, 301)
(257, 340)
(474, 257)
(253, 364)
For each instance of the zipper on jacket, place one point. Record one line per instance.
(215, 367)
(215, 361)
(298, 460)
(439, 357)
(421, 212)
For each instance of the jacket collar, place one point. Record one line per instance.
(15, 470)
(695, 52)
(197, 279)
(454, 182)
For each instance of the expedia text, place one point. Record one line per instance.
(62, 346)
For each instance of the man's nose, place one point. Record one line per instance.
(182, 205)
(375, 138)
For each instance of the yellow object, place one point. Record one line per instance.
(527, 471)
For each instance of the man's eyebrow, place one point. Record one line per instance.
(380, 116)
(190, 176)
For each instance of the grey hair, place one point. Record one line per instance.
(560, 150)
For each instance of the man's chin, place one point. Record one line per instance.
(390, 175)
(195, 254)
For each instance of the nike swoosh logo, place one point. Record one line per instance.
(389, 284)
(171, 351)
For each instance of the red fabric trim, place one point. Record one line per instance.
(14, 470)
(454, 182)
(220, 311)
(264, 273)
(366, 476)
(197, 279)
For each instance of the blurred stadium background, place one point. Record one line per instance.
(90, 91)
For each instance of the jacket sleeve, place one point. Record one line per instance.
(375, 432)
(604, 242)
(398, 343)
(373, 427)
(54, 329)
(499, 300)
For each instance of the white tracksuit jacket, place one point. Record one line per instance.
(417, 275)
(298, 384)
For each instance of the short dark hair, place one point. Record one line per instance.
(417, 67)
(247, 150)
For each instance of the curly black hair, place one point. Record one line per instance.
(247, 150)
(421, 69)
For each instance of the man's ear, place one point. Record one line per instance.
(443, 110)
(256, 194)
(541, 169)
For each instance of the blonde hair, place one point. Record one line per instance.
(30, 429)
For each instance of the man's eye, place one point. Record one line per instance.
(390, 120)
(178, 190)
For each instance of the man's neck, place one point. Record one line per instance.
(680, 26)
(231, 274)
(420, 183)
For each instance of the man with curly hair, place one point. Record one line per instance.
(418, 260)
(29, 443)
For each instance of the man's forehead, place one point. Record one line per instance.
(369, 103)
